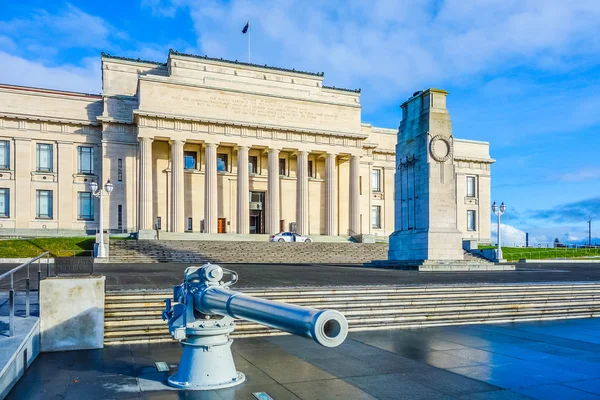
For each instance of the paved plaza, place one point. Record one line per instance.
(165, 276)
(545, 360)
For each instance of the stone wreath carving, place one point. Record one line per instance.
(440, 148)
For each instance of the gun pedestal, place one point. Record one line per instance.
(206, 362)
(204, 317)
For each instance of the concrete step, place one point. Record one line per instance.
(163, 335)
(136, 316)
(360, 303)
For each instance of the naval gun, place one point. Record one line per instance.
(204, 316)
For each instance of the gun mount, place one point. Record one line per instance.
(204, 317)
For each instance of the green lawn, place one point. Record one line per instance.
(535, 253)
(62, 247)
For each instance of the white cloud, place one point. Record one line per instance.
(585, 174)
(160, 8)
(69, 28)
(401, 46)
(18, 71)
(511, 236)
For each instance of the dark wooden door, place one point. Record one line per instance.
(221, 225)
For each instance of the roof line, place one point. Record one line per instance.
(342, 89)
(50, 91)
(103, 54)
(176, 53)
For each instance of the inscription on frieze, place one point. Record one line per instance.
(256, 107)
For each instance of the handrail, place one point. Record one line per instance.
(11, 296)
(15, 269)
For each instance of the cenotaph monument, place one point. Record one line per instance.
(425, 200)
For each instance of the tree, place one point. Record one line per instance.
(556, 242)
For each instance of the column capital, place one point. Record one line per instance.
(211, 141)
(211, 145)
(146, 139)
(177, 141)
(243, 147)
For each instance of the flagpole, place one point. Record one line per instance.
(249, 30)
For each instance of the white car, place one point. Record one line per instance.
(289, 237)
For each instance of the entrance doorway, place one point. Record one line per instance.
(221, 225)
(257, 213)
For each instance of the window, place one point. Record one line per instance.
(85, 157)
(4, 154)
(43, 204)
(120, 170)
(189, 159)
(376, 211)
(4, 203)
(252, 164)
(471, 220)
(376, 177)
(310, 169)
(282, 166)
(470, 186)
(222, 162)
(86, 206)
(158, 223)
(120, 217)
(44, 158)
(190, 224)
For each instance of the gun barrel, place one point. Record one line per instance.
(327, 327)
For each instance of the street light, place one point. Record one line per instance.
(590, 232)
(499, 211)
(99, 193)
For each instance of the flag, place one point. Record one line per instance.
(245, 30)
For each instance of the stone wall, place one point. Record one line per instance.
(72, 313)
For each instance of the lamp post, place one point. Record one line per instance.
(100, 193)
(499, 211)
(590, 232)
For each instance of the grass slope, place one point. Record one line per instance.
(62, 247)
(534, 253)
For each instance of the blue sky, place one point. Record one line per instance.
(522, 74)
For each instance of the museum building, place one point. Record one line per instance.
(204, 145)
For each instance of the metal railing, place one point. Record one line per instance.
(11, 294)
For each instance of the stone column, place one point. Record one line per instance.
(177, 192)
(146, 196)
(354, 225)
(302, 193)
(272, 213)
(210, 189)
(330, 195)
(243, 201)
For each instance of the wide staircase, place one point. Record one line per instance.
(132, 317)
(196, 252)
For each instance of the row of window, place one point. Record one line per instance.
(44, 200)
(44, 156)
(191, 162)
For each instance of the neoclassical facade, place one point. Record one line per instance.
(206, 145)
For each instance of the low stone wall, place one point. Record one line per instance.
(18, 352)
(72, 313)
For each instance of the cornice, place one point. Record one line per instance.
(342, 89)
(245, 64)
(29, 117)
(247, 124)
(138, 60)
(475, 159)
